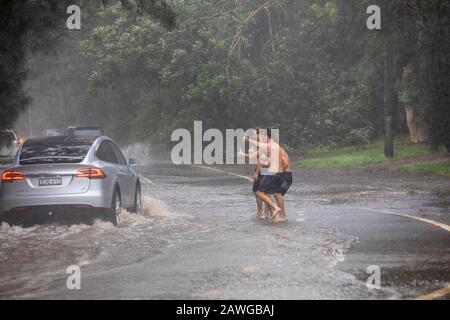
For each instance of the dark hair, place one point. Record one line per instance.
(269, 133)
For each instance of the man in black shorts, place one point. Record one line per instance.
(271, 178)
(256, 178)
(285, 183)
(269, 161)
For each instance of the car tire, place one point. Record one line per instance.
(137, 207)
(114, 214)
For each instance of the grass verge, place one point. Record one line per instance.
(349, 157)
(436, 167)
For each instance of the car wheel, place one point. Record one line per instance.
(116, 209)
(137, 208)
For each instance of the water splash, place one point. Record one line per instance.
(103, 225)
(152, 208)
(140, 151)
(155, 208)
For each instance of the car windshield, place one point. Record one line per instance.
(6, 138)
(54, 150)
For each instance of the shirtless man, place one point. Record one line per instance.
(276, 178)
(286, 182)
(256, 178)
(269, 182)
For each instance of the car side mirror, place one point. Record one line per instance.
(133, 162)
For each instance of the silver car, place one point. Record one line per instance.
(69, 174)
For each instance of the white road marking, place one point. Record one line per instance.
(145, 180)
(429, 221)
(431, 296)
(222, 171)
(438, 293)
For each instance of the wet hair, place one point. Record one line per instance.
(266, 132)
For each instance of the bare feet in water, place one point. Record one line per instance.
(267, 213)
(276, 212)
(279, 217)
(260, 215)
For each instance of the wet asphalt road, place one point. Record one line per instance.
(198, 239)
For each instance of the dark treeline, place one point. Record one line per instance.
(35, 45)
(21, 33)
(311, 68)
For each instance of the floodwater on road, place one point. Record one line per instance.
(198, 239)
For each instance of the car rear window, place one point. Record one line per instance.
(54, 150)
(87, 132)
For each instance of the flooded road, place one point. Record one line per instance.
(198, 239)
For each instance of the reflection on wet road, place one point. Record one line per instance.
(198, 239)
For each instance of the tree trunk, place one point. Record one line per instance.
(388, 97)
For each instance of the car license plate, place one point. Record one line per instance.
(50, 182)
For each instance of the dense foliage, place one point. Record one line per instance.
(235, 64)
(29, 27)
(311, 68)
(23, 29)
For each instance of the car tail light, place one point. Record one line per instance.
(81, 206)
(10, 176)
(18, 209)
(90, 173)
